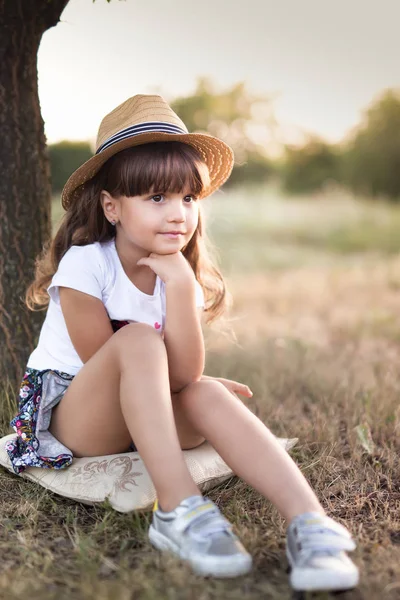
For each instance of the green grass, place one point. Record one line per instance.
(257, 228)
(319, 344)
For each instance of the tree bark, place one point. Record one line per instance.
(25, 197)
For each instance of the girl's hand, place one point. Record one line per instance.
(169, 267)
(233, 386)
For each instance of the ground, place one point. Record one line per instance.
(315, 283)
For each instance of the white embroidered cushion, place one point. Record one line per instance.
(123, 478)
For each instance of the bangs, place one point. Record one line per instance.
(157, 167)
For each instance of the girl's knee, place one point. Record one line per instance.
(136, 332)
(137, 336)
(204, 388)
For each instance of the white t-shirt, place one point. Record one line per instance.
(96, 270)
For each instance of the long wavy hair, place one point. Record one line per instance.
(161, 166)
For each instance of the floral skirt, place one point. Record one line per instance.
(35, 446)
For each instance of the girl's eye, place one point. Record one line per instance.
(157, 198)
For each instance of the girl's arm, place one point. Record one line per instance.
(183, 336)
(87, 321)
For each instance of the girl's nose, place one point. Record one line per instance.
(177, 212)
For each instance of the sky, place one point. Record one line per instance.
(322, 62)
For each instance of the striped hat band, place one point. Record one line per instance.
(149, 127)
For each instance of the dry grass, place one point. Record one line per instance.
(319, 345)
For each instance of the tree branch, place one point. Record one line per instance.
(50, 11)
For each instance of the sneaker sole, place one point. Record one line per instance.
(311, 580)
(202, 565)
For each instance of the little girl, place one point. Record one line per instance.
(120, 358)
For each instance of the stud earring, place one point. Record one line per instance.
(113, 223)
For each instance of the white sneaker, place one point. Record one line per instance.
(315, 548)
(197, 532)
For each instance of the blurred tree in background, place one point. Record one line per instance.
(243, 120)
(65, 157)
(308, 168)
(367, 162)
(371, 156)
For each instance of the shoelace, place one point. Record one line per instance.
(319, 540)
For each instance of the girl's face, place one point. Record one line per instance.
(160, 222)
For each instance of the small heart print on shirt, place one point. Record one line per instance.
(157, 325)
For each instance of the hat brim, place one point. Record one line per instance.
(217, 155)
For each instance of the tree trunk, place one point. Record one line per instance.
(25, 200)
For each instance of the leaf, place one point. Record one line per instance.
(365, 438)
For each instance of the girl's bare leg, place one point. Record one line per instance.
(247, 446)
(122, 394)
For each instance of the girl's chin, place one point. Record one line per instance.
(169, 245)
(170, 250)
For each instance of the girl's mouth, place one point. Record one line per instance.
(174, 235)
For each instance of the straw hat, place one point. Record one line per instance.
(142, 119)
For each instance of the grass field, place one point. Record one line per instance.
(316, 284)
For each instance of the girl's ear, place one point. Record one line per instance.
(109, 205)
